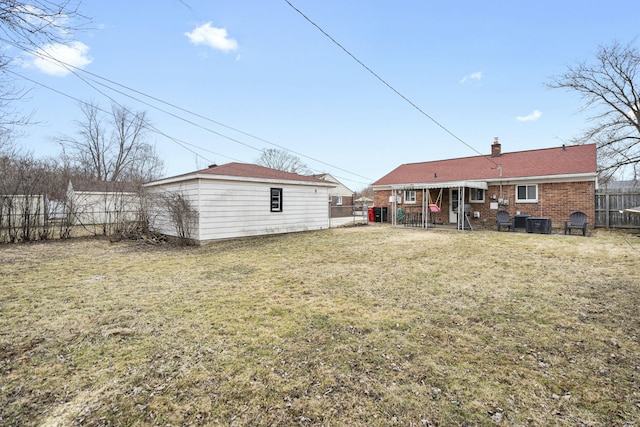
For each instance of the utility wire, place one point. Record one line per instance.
(181, 143)
(75, 71)
(209, 120)
(383, 81)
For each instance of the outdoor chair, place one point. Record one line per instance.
(502, 220)
(577, 221)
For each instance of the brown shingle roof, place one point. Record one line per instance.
(247, 170)
(576, 159)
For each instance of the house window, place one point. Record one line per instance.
(410, 196)
(338, 200)
(276, 200)
(476, 195)
(527, 193)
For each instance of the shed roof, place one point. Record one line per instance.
(548, 162)
(244, 170)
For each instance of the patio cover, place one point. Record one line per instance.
(451, 184)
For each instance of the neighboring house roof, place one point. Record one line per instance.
(621, 186)
(340, 190)
(92, 186)
(243, 171)
(548, 162)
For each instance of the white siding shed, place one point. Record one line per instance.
(240, 200)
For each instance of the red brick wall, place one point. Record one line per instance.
(346, 201)
(555, 200)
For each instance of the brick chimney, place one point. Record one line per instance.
(496, 148)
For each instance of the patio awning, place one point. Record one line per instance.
(482, 185)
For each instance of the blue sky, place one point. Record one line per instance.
(258, 73)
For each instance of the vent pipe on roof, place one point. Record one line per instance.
(212, 166)
(496, 148)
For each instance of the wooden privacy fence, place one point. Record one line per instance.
(610, 210)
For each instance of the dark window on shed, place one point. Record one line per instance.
(276, 200)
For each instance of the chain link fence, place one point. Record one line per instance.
(341, 216)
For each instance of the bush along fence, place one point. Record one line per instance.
(25, 218)
(34, 226)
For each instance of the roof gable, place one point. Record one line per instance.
(244, 171)
(548, 162)
(249, 170)
(340, 189)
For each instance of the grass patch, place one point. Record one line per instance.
(349, 326)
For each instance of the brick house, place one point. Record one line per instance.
(550, 183)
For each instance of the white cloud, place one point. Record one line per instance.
(473, 76)
(216, 38)
(74, 54)
(531, 117)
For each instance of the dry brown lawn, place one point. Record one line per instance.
(368, 326)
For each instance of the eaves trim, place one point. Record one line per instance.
(209, 177)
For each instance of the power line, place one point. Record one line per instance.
(212, 121)
(181, 143)
(74, 70)
(383, 81)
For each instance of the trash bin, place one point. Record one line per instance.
(539, 225)
(380, 213)
(371, 214)
(520, 221)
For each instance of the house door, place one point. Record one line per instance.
(453, 205)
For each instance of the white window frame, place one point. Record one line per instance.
(410, 197)
(338, 200)
(475, 190)
(527, 199)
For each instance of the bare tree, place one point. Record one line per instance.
(27, 188)
(36, 22)
(282, 160)
(29, 26)
(113, 148)
(611, 88)
(11, 120)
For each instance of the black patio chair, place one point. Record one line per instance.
(502, 220)
(577, 221)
